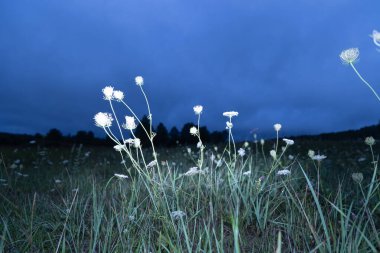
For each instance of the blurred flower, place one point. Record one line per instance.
(349, 56)
(277, 127)
(108, 93)
(311, 153)
(193, 130)
(121, 176)
(32, 142)
(139, 80)
(319, 157)
(136, 142)
(129, 123)
(357, 177)
(291, 157)
(118, 95)
(198, 109)
(288, 141)
(199, 144)
(229, 125)
(177, 214)
(103, 119)
(119, 147)
(57, 181)
(273, 154)
(376, 37)
(188, 150)
(246, 144)
(284, 172)
(230, 114)
(152, 164)
(370, 141)
(193, 171)
(241, 152)
(262, 141)
(247, 173)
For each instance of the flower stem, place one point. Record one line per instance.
(364, 81)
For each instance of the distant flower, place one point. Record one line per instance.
(230, 114)
(290, 157)
(311, 153)
(241, 152)
(121, 176)
(198, 109)
(32, 142)
(118, 95)
(177, 214)
(129, 123)
(284, 172)
(212, 157)
(103, 119)
(376, 37)
(246, 144)
(277, 127)
(319, 157)
(262, 141)
(199, 144)
(288, 141)
(57, 181)
(139, 80)
(229, 125)
(247, 173)
(136, 142)
(119, 147)
(151, 164)
(357, 177)
(108, 93)
(273, 154)
(370, 141)
(193, 171)
(349, 56)
(219, 163)
(193, 130)
(128, 141)
(188, 150)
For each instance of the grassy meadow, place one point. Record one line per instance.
(69, 199)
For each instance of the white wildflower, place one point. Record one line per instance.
(273, 154)
(219, 163)
(119, 147)
(247, 173)
(212, 157)
(284, 172)
(136, 142)
(121, 176)
(230, 114)
(199, 144)
(370, 141)
(288, 141)
(357, 177)
(277, 127)
(193, 130)
(57, 181)
(319, 157)
(198, 109)
(32, 142)
(103, 119)
(290, 157)
(188, 150)
(128, 141)
(311, 153)
(349, 56)
(129, 123)
(108, 93)
(118, 95)
(246, 144)
(152, 164)
(139, 80)
(193, 171)
(241, 152)
(262, 141)
(177, 214)
(376, 37)
(229, 125)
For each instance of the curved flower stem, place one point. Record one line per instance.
(117, 122)
(364, 81)
(149, 113)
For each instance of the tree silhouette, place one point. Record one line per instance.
(162, 136)
(140, 133)
(174, 136)
(84, 137)
(54, 136)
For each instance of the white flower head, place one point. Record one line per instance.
(136, 142)
(277, 127)
(199, 144)
(193, 130)
(198, 109)
(108, 93)
(129, 123)
(103, 119)
(230, 114)
(151, 164)
(229, 125)
(311, 153)
(246, 144)
(119, 147)
(177, 214)
(376, 37)
(284, 172)
(241, 152)
(121, 176)
(349, 56)
(193, 171)
(273, 154)
(288, 141)
(370, 141)
(357, 177)
(128, 141)
(262, 141)
(139, 80)
(247, 173)
(319, 157)
(118, 95)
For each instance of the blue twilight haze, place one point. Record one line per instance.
(272, 61)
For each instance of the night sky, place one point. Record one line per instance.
(272, 61)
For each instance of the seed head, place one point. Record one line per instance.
(103, 119)
(129, 123)
(198, 109)
(349, 56)
(139, 80)
(277, 127)
(118, 95)
(108, 93)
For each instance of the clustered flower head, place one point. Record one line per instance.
(349, 56)
(241, 152)
(277, 127)
(370, 141)
(139, 80)
(103, 119)
(273, 154)
(129, 123)
(376, 37)
(121, 176)
(198, 109)
(319, 157)
(177, 214)
(284, 172)
(118, 95)
(288, 141)
(311, 153)
(357, 177)
(193, 130)
(230, 114)
(193, 171)
(119, 147)
(108, 93)
(136, 142)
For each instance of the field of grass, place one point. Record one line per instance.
(69, 200)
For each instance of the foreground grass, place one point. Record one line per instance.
(78, 205)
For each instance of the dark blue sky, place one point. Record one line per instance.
(272, 61)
